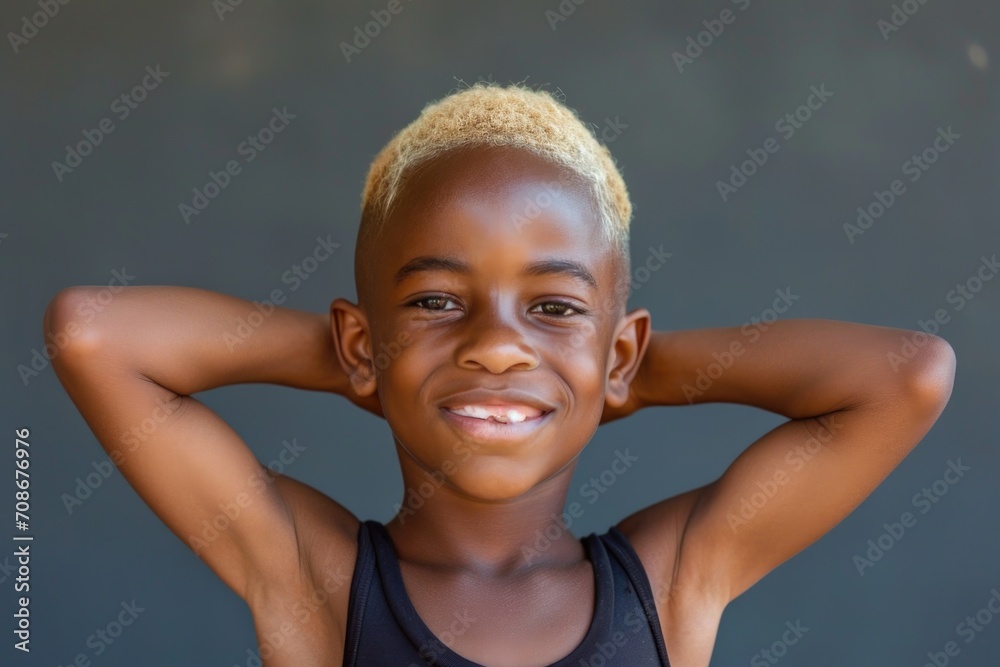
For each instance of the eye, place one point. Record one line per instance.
(559, 309)
(435, 302)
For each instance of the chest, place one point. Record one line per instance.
(531, 621)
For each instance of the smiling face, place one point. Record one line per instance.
(494, 295)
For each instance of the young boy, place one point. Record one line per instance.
(492, 273)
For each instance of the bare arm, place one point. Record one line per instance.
(853, 417)
(131, 370)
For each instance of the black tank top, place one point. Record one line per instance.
(384, 630)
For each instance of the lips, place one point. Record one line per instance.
(505, 414)
(483, 403)
(496, 414)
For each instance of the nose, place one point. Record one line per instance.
(494, 340)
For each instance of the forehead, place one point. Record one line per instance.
(495, 207)
(475, 166)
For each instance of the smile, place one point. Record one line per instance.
(505, 414)
(493, 422)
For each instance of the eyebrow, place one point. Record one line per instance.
(545, 267)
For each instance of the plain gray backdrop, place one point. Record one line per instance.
(676, 128)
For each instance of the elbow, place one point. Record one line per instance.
(930, 375)
(68, 325)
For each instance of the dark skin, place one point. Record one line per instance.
(491, 324)
(552, 334)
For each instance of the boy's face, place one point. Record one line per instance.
(491, 276)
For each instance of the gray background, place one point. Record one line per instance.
(784, 228)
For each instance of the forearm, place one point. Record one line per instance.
(190, 340)
(798, 367)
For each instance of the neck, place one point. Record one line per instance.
(450, 529)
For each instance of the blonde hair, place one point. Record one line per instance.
(488, 114)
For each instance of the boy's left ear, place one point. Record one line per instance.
(631, 340)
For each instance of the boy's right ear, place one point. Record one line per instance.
(352, 341)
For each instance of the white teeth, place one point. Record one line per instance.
(505, 416)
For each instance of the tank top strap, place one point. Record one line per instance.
(623, 552)
(364, 569)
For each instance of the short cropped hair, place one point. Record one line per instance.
(488, 114)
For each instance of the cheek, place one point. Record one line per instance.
(582, 358)
(573, 344)
(394, 347)
(404, 368)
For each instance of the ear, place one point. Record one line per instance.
(629, 347)
(352, 341)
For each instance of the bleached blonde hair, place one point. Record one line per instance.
(488, 114)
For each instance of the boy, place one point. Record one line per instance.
(492, 273)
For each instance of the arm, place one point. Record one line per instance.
(130, 368)
(852, 419)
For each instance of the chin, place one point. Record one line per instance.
(495, 482)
